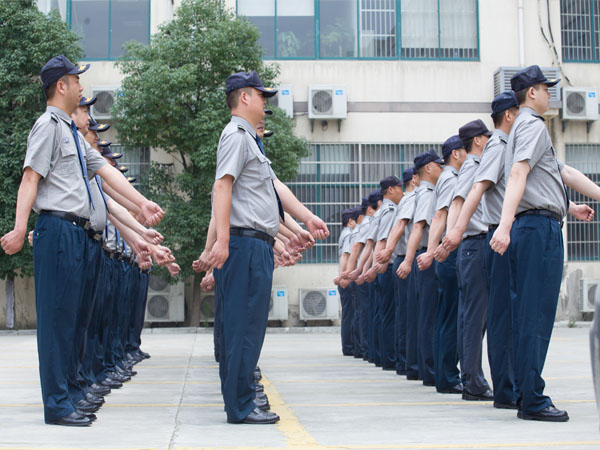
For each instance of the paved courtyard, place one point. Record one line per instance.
(325, 401)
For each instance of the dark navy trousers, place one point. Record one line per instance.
(427, 295)
(536, 265)
(412, 325)
(362, 293)
(374, 355)
(356, 338)
(499, 324)
(400, 317)
(59, 256)
(217, 325)
(140, 311)
(447, 374)
(470, 267)
(244, 284)
(387, 313)
(347, 318)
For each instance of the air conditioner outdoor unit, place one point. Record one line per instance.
(589, 294)
(207, 307)
(579, 103)
(165, 301)
(284, 99)
(502, 77)
(327, 102)
(319, 304)
(105, 99)
(278, 307)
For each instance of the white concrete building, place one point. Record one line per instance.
(409, 72)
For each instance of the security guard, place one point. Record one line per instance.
(346, 292)
(488, 188)
(391, 188)
(447, 375)
(55, 182)
(429, 167)
(247, 209)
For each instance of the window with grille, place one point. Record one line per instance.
(136, 159)
(337, 176)
(582, 237)
(580, 34)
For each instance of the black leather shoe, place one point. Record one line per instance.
(259, 387)
(125, 373)
(257, 374)
(90, 416)
(428, 383)
(93, 399)
(86, 406)
(113, 384)
(548, 414)
(73, 420)
(144, 354)
(118, 377)
(262, 404)
(400, 372)
(258, 417)
(484, 396)
(499, 405)
(96, 389)
(456, 389)
(412, 377)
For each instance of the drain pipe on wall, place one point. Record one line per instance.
(521, 36)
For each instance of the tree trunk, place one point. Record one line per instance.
(10, 303)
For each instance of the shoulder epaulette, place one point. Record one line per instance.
(54, 117)
(241, 127)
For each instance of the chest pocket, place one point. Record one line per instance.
(263, 167)
(68, 161)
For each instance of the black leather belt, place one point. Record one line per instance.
(75, 220)
(476, 236)
(541, 212)
(249, 232)
(95, 235)
(111, 254)
(493, 227)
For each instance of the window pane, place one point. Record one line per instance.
(89, 19)
(338, 28)
(419, 28)
(137, 159)
(576, 34)
(262, 15)
(458, 29)
(378, 28)
(295, 28)
(129, 20)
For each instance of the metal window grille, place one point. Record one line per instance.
(137, 159)
(378, 28)
(337, 176)
(582, 237)
(580, 32)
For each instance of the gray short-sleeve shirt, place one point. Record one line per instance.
(344, 236)
(98, 213)
(386, 219)
(425, 209)
(253, 201)
(110, 239)
(405, 211)
(491, 169)
(529, 141)
(374, 225)
(52, 153)
(463, 187)
(444, 188)
(363, 232)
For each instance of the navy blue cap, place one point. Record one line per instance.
(452, 143)
(247, 79)
(268, 112)
(99, 127)
(408, 174)
(504, 101)
(357, 212)
(347, 214)
(58, 67)
(122, 169)
(267, 133)
(374, 197)
(392, 180)
(110, 154)
(530, 76)
(103, 143)
(87, 101)
(425, 158)
(473, 129)
(365, 202)
(131, 179)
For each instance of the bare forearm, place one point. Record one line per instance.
(413, 242)
(123, 216)
(578, 181)
(291, 224)
(120, 199)
(119, 183)
(356, 248)
(291, 204)
(470, 205)
(438, 225)
(454, 212)
(222, 207)
(130, 236)
(211, 235)
(25, 198)
(343, 262)
(366, 254)
(515, 187)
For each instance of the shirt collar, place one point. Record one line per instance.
(449, 168)
(244, 123)
(425, 184)
(530, 111)
(473, 156)
(60, 113)
(501, 135)
(386, 201)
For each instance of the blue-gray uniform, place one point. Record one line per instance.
(55, 151)
(412, 304)
(346, 299)
(385, 281)
(498, 317)
(470, 267)
(244, 282)
(110, 312)
(405, 211)
(536, 255)
(374, 348)
(426, 285)
(447, 375)
(347, 249)
(362, 291)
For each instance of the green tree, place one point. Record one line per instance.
(172, 97)
(29, 39)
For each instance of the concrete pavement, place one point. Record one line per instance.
(325, 400)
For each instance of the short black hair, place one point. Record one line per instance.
(499, 118)
(233, 97)
(522, 94)
(421, 170)
(468, 144)
(51, 89)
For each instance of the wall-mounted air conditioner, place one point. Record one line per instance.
(284, 99)
(165, 301)
(579, 103)
(319, 304)
(207, 307)
(327, 102)
(278, 308)
(589, 294)
(502, 77)
(105, 98)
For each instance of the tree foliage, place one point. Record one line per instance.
(29, 39)
(172, 98)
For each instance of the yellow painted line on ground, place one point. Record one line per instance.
(293, 431)
(377, 380)
(448, 403)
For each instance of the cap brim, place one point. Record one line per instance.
(102, 127)
(267, 92)
(268, 133)
(89, 101)
(131, 179)
(488, 133)
(79, 69)
(268, 112)
(551, 83)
